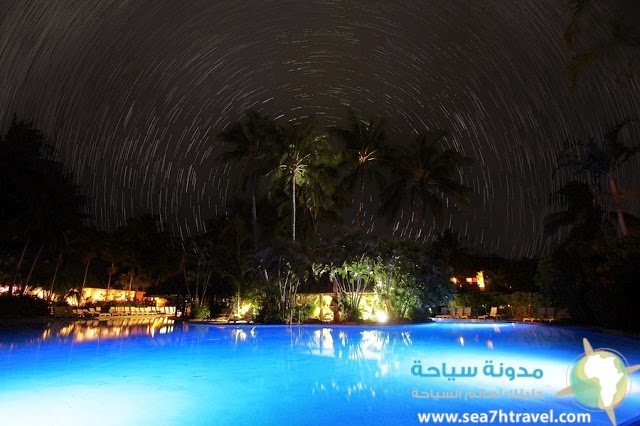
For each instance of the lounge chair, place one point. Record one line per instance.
(538, 317)
(223, 317)
(466, 312)
(493, 314)
(445, 313)
(59, 311)
(100, 313)
(458, 312)
(550, 314)
(561, 314)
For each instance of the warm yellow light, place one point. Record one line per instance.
(381, 316)
(480, 279)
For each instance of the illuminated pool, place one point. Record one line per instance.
(156, 372)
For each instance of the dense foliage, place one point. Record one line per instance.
(286, 233)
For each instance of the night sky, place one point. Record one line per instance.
(132, 92)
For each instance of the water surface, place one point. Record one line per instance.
(157, 372)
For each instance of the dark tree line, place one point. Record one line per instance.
(297, 222)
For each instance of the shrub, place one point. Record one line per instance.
(23, 307)
(200, 310)
(525, 304)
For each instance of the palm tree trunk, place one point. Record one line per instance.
(55, 274)
(254, 219)
(184, 274)
(84, 282)
(106, 297)
(84, 278)
(293, 207)
(616, 198)
(417, 211)
(33, 266)
(360, 206)
(15, 277)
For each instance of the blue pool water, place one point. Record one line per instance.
(163, 373)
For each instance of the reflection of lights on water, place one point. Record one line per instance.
(406, 338)
(87, 331)
(239, 334)
(321, 342)
(367, 363)
(384, 369)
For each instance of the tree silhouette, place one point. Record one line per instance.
(305, 171)
(596, 31)
(367, 151)
(598, 160)
(252, 146)
(40, 206)
(423, 177)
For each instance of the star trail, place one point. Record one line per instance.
(132, 94)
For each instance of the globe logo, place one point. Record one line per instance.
(599, 380)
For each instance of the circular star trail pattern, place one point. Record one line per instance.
(132, 93)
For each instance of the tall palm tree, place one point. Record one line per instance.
(425, 175)
(367, 149)
(600, 159)
(307, 165)
(252, 146)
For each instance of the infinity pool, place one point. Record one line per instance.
(157, 372)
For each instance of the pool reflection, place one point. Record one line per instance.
(89, 331)
(291, 374)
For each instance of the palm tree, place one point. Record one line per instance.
(598, 160)
(307, 163)
(87, 249)
(583, 214)
(110, 254)
(252, 144)
(366, 146)
(423, 177)
(450, 252)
